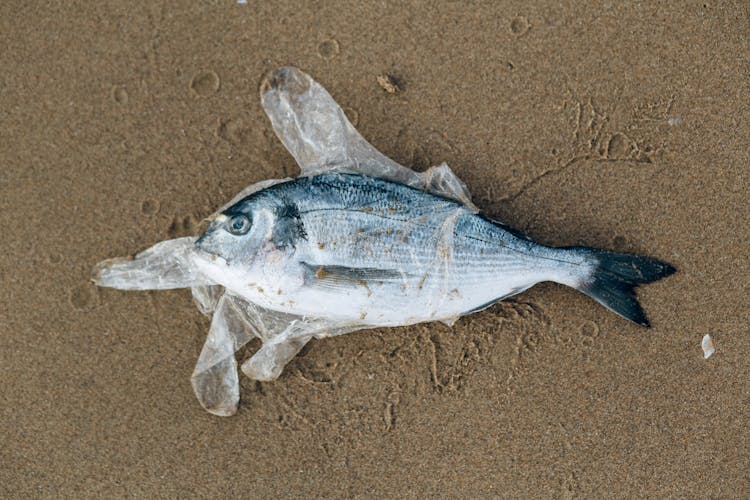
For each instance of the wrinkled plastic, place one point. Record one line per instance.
(317, 133)
(707, 344)
(164, 266)
(207, 298)
(235, 323)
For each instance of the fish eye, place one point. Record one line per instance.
(238, 225)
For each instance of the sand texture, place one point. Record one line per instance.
(619, 126)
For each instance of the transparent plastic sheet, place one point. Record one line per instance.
(207, 298)
(235, 323)
(166, 265)
(214, 379)
(283, 336)
(315, 130)
(317, 133)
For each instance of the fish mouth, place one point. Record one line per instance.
(208, 255)
(201, 241)
(207, 241)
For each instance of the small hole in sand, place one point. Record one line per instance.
(589, 329)
(82, 297)
(119, 94)
(205, 83)
(618, 146)
(187, 224)
(149, 207)
(232, 130)
(519, 26)
(328, 49)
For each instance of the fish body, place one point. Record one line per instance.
(359, 249)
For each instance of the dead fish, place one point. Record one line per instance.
(357, 241)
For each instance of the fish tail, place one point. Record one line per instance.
(613, 278)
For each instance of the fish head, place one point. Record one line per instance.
(236, 236)
(253, 241)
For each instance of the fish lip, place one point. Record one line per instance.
(215, 222)
(199, 247)
(209, 256)
(199, 242)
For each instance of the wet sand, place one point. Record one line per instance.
(126, 123)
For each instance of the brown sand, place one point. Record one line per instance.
(125, 123)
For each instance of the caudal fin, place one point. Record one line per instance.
(615, 276)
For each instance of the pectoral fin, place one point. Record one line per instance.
(341, 276)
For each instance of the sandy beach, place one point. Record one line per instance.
(602, 124)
